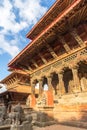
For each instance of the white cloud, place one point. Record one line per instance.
(7, 47)
(15, 16)
(2, 88)
(30, 10)
(8, 18)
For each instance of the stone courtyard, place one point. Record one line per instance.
(47, 87)
(58, 127)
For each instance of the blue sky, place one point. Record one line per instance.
(17, 17)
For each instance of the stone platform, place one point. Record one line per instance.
(7, 127)
(58, 127)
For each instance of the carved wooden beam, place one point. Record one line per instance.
(7, 82)
(27, 71)
(12, 81)
(51, 50)
(42, 58)
(29, 68)
(77, 37)
(23, 67)
(65, 45)
(35, 64)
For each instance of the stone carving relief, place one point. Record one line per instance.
(83, 81)
(42, 101)
(71, 86)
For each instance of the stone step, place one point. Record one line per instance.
(5, 127)
(79, 124)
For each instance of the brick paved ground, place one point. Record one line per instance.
(58, 127)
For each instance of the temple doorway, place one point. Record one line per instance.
(55, 81)
(68, 78)
(45, 84)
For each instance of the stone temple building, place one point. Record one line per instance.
(56, 62)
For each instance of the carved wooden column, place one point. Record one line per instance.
(76, 79)
(61, 83)
(40, 87)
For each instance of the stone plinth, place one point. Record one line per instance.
(71, 107)
(26, 125)
(45, 117)
(27, 110)
(46, 109)
(5, 127)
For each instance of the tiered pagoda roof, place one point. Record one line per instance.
(17, 82)
(46, 45)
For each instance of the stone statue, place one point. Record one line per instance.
(4, 118)
(19, 113)
(27, 125)
(12, 116)
(19, 120)
(3, 112)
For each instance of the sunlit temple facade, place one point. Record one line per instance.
(55, 62)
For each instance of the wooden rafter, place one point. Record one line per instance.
(29, 68)
(77, 37)
(65, 45)
(51, 50)
(35, 64)
(42, 58)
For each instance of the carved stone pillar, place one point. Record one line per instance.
(40, 87)
(61, 83)
(76, 79)
(49, 79)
